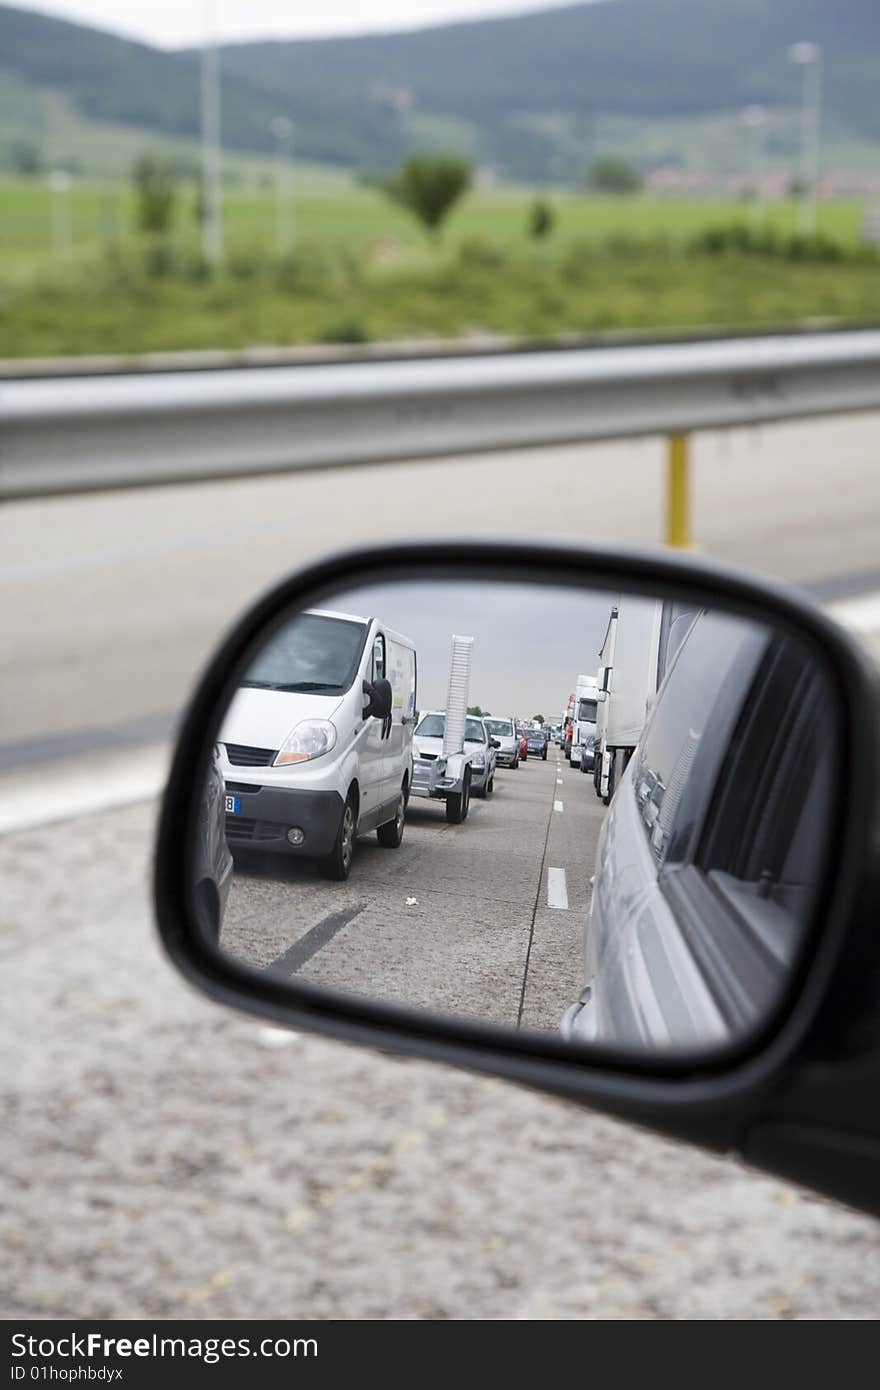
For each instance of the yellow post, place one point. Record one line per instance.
(678, 501)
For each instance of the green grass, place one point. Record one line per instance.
(362, 270)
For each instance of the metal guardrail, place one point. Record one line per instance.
(71, 435)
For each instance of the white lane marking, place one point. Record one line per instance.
(557, 892)
(559, 781)
(65, 791)
(558, 806)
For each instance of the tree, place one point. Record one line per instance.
(154, 191)
(475, 709)
(26, 158)
(541, 219)
(613, 175)
(430, 185)
(538, 719)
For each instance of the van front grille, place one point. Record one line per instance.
(242, 755)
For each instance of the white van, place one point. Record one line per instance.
(316, 747)
(586, 697)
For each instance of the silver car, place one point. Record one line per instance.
(709, 856)
(504, 732)
(478, 745)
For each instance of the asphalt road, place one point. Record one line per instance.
(164, 1157)
(456, 920)
(112, 602)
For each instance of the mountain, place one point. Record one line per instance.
(532, 95)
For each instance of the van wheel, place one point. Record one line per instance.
(390, 834)
(337, 864)
(458, 806)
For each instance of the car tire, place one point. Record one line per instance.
(544, 756)
(458, 806)
(390, 834)
(337, 864)
(206, 903)
(490, 785)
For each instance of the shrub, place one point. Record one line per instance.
(154, 192)
(542, 219)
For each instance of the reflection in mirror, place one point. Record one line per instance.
(598, 816)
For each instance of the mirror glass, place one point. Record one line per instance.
(599, 816)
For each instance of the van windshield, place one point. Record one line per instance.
(313, 652)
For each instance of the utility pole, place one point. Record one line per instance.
(62, 230)
(808, 56)
(212, 210)
(282, 130)
(753, 120)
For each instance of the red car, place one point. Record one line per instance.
(523, 748)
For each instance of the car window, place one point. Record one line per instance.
(379, 658)
(432, 726)
(313, 652)
(690, 727)
(499, 728)
(474, 731)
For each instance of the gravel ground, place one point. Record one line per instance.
(166, 1158)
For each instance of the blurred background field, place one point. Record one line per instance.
(732, 209)
(360, 268)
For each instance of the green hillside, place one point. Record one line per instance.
(534, 96)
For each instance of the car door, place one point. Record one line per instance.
(372, 742)
(652, 984)
(400, 670)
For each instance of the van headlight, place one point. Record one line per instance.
(310, 739)
(479, 760)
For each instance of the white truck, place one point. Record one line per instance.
(586, 698)
(641, 640)
(443, 767)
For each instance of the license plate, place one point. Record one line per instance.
(233, 805)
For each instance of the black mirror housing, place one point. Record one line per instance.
(799, 1097)
(379, 698)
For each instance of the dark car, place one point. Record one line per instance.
(536, 741)
(212, 860)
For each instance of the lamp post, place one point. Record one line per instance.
(753, 120)
(282, 131)
(62, 232)
(212, 212)
(808, 56)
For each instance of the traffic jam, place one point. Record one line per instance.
(459, 855)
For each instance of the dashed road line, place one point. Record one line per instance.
(558, 806)
(557, 889)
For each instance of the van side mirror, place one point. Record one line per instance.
(379, 698)
(495, 742)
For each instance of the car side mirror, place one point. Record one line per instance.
(686, 939)
(495, 742)
(379, 697)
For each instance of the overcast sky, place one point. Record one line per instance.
(530, 642)
(173, 23)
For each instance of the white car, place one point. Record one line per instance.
(710, 856)
(316, 747)
(504, 730)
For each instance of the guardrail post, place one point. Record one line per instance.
(678, 501)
